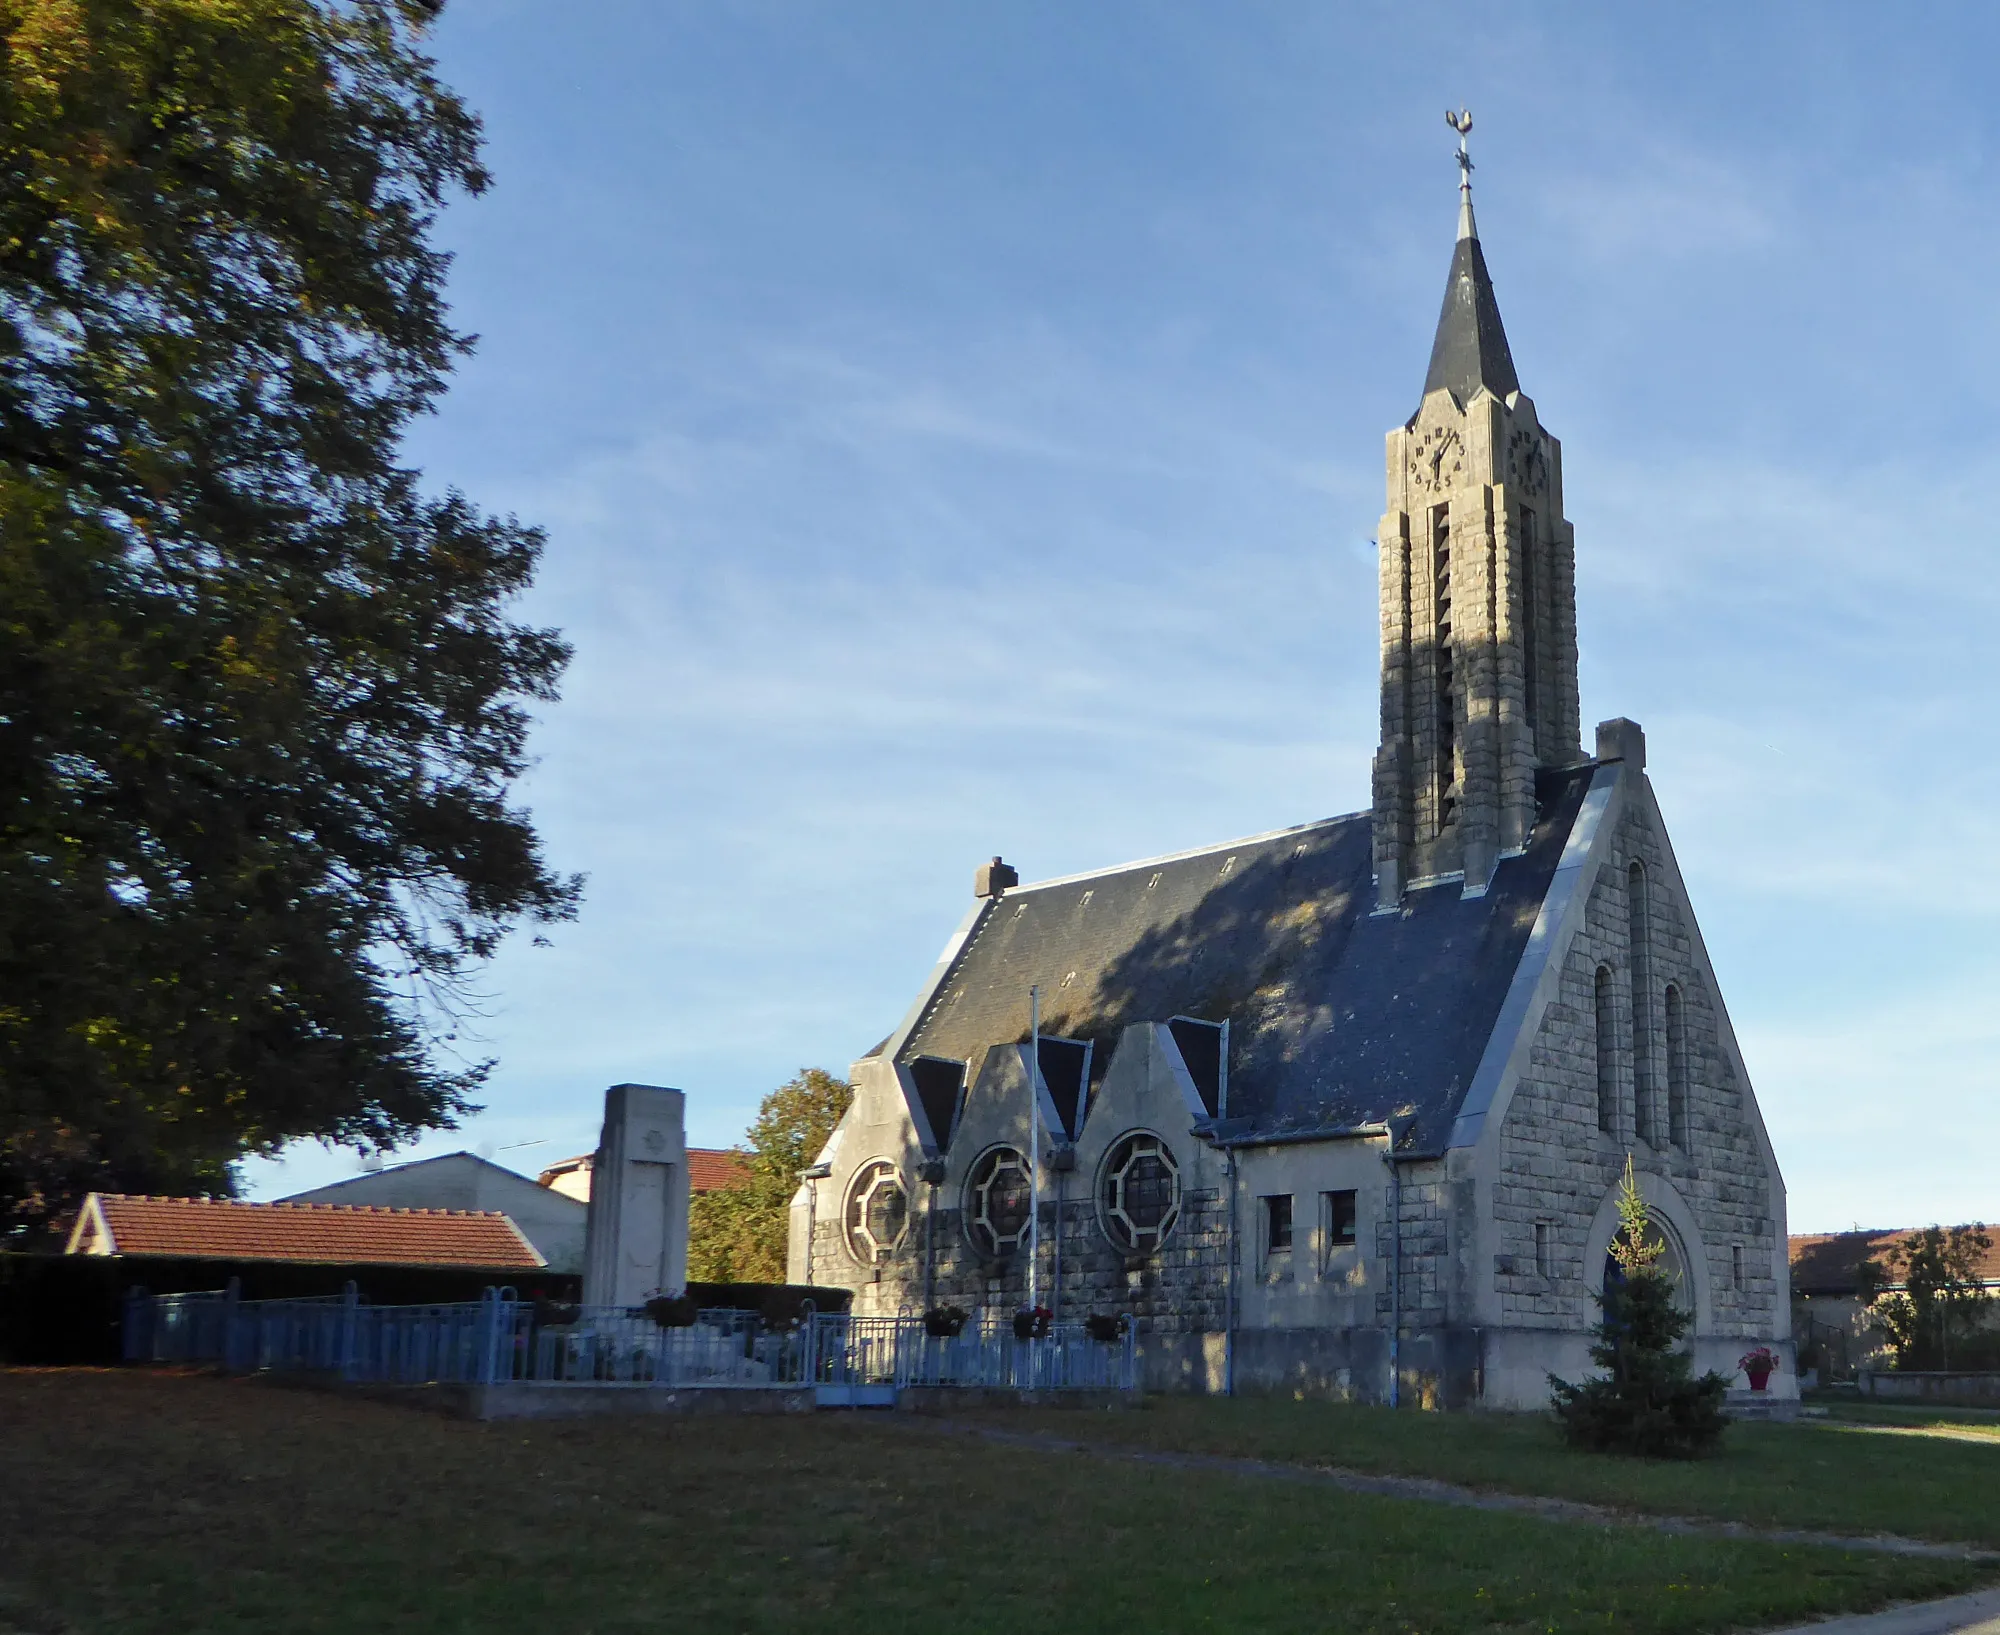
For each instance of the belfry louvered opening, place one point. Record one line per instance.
(1446, 705)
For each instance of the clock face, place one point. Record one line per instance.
(1436, 459)
(1528, 462)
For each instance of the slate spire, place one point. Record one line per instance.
(1471, 348)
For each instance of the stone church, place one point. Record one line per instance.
(1339, 1110)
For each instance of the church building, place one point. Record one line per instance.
(1341, 1109)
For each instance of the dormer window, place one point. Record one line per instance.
(1204, 1048)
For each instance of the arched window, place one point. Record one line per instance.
(1607, 1055)
(1638, 934)
(1677, 1067)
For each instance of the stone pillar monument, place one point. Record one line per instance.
(637, 1237)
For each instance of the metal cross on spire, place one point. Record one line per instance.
(1462, 123)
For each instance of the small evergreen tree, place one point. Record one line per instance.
(1647, 1402)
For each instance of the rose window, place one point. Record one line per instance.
(878, 1212)
(1141, 1193)
(997, 1201)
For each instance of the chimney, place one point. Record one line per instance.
(992, 879)
(1622, 740)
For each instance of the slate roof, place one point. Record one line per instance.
(1829, 1263)
(1338, 1017)
(1470, 349)
(336, 1234)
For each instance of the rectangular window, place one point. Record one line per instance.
(1545, 1254)
(1278, 1225)
(1340, 1219)
(1736, 1266)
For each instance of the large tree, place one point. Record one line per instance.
(738, 1235)
(260, 700)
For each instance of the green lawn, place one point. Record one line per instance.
(135, 1503)
(1856, 1474)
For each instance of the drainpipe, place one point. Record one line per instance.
(1229, 1268)
(817, 1173)
(1395, 1266)
(931, 1171)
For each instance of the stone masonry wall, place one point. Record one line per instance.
(1179, 1290)
(1426, 1266)
(1557, 1166)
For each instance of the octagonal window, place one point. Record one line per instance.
(1140, 1193)
(878, 1212)
(998, 1198)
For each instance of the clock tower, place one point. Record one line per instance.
(1478, 603)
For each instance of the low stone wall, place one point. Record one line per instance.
(1945, 1390)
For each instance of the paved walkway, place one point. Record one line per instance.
(1961, 1615)
(1435, 1492)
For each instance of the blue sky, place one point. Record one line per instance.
(959, 430)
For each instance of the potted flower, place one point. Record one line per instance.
(1760, 1363)
(1032, 1323)
(671, 1311)
(1106, 1329)
(944, 1322)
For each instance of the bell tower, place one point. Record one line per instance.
(1478, 601)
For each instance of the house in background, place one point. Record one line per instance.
(220, 1229)
(553, 1221)
(710, 1169)
(1829, 1300)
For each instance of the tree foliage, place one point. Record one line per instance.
(1929, 1296)
(260, 704)
(740, 1236)
(1647, 1401)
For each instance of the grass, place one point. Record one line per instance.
(135, 1503)
(1941, 1481)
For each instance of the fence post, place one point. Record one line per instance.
(231, 1347)
(350, 1301)
(489, 1336)
(137, 1335)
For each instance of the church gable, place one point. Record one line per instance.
(1633, 1054)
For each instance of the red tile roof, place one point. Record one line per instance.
(339, 1234)
(713, 1170)
(1830, 1262)
(710, 1169)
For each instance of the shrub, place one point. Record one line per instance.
(1106, 1330)
(1647, 1402)
(1032, 1322)
(944, 1322)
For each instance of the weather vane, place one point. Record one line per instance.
(1462, 123)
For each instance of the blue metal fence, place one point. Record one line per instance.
(499, 1338)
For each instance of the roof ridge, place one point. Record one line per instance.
(1183, 856)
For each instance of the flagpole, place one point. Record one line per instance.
(1034, 1145)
